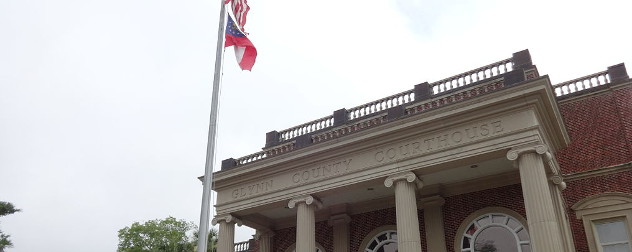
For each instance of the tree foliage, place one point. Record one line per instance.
(167, 235)
(6, 208)
(211, 242)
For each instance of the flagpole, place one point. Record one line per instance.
(212, 129)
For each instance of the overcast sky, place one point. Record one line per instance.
(104, 105)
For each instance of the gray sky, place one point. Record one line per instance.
(104, 105)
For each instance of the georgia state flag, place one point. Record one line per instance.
(245, 51)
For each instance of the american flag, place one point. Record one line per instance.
(240, 10)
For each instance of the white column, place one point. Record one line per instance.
(408, 238)
(305, 222)
(226, 236)
(340, 223)
(433, 220)
(541, 217)
(265, 240)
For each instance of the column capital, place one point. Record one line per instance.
(514, 153)
(308, 199)
(228, 218)
(559, 181)
(408, 176)
(339, 219)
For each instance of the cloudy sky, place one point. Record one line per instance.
(104, 105)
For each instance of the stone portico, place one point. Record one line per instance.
(494, 126)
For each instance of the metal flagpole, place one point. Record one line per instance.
(212, 129)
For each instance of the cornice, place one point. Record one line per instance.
(598, 172)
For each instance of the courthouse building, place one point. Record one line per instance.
(493, 159)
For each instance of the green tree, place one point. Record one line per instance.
(168, 235)
(211, 242)
(6, 208)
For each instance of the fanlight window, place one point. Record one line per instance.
(383, 242)
(495, 232)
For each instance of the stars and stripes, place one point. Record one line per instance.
(240, 9)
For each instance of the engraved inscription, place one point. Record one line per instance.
(252, 189)
(427, 144)
(322, 171)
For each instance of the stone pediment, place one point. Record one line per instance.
(603, 200)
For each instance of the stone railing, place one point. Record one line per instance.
(472, 76)
(614, 75)
(276, 150)
(349, 128)
(242, 246)
(381, 105)
(306, 128)
(583, 83)
(423, 97)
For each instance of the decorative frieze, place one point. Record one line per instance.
(438, 142)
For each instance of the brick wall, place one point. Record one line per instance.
(458, 207)
(580, 189)
(362, 224)
(600, 129)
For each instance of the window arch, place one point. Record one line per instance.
(607, 219)
(382, 239)
(493, 229)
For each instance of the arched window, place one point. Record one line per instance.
(382, 239)
(385, 241)
(607, 219)
(494, 232)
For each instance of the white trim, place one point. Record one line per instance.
(490, 217)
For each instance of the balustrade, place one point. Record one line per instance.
(306, 128)
(582, 83)
(242, 246)
(472, 76)
(375, 113)
(381, 104)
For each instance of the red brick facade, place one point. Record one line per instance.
(599, 124)
(600, 128)
(457, 208)
(580, 189)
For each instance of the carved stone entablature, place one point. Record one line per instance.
(549, 161)
(308, 199)
(226, 218)
(408, 176)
